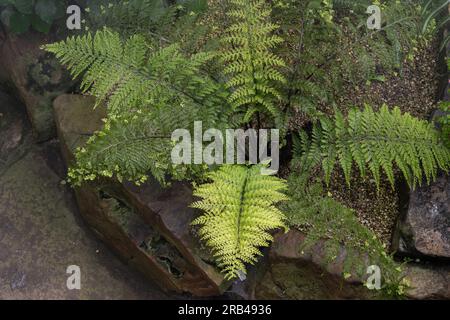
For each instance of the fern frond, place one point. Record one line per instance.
(129, 17)
(131, 146)
(133, 73)
(378, 141)
(239, 206)
(250, 63)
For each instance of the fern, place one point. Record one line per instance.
(149, 92)
(250, 63)
(157, 19)
(322, 218)
(132, 74)
(127, 147)
(378, 141)
(239, 212)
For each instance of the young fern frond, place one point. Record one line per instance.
(239, 206)
(250, 62)
(377, 141)
(133, 73)
(132, 16)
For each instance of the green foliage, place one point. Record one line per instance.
(239, 212)
(21, 15)
(152, 67)
(134, 73)
(444, 123)
(148, 91)
(328, 47)
(377, 140)
(250, 63)
(324, 219)
(145, 17)
(131, 146)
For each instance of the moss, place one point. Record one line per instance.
(46, 77)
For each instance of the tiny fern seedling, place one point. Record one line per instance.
(239, 211)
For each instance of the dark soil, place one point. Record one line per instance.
(414, 89)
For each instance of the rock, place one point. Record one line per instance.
(424, 231)
(428, 282)
(296, 275)
(149, 227)
(41, 234)
(36, 77)
(14, 131)
(12, 125)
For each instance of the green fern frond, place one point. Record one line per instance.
(378, 141)
(131, 146)
(239, 206)
(135, 73)
(126, 148)
(250, 63)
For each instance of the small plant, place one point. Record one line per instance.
(23, 15)
(239, 211)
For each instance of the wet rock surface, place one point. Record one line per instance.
(424, 231)
(296, 275)
(149, 227)
(14, 130)
(292, 274)
(428, 281)
(36, 77)
(41, 233)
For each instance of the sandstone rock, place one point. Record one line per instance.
(36, 76)
(149, 227)
(425, 229)
(296, 275)
(291, 274)
(428, 282)
(12, 125)
(14, 131)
